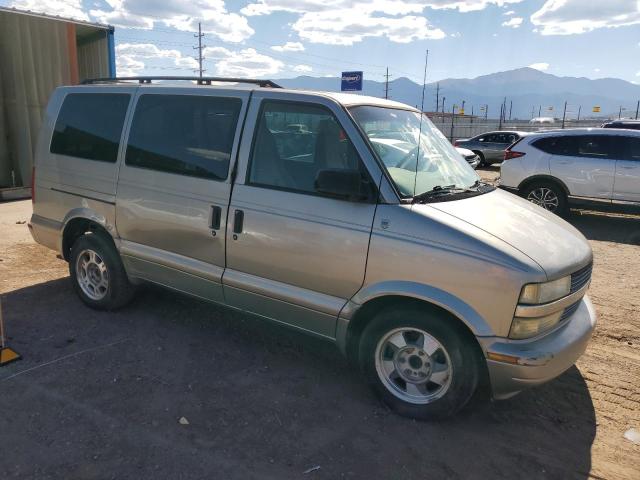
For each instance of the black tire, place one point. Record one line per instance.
(483, 162)
(465, 369)
(119, 291)
(529, 193)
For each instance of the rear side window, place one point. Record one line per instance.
(632, 148)
(566, 145)
(184, 134)
(596, 146)
(89, 126)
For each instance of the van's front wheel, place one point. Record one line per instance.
(418, 362)
(97, 273)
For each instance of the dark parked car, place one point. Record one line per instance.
(627, 124)
(490, 146)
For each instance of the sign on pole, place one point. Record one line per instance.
(351, 82)
(596, 109)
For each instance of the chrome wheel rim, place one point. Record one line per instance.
(413, 365)
(92, 274)
(545, 198)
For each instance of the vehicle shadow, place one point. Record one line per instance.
(172, 387)
(606, 226)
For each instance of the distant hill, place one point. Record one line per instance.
(527, 88)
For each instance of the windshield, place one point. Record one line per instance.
(415, 167)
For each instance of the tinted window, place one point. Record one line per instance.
(290, 157)
(557, 145)
(633, 148)
(89, 126)
(184, 134)
(489, 138)
(596, 146)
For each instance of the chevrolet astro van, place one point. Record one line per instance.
(295, 206)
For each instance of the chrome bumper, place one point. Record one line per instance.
(539, 360)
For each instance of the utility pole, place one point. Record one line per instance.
(442, 110)
(564, 113)
(620, 113)
(539, 110)
(453, 115)
(501, 116)
(463, 102)
(471, 114)
(437, 96)
(637, 109)
(200, 58)
(579, 110)
(486, 111)
(386, 84)
(533, 111)
(510, 107)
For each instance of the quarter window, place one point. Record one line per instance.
(557, 145)
(89, 126)
(184, 134)
(294, 142)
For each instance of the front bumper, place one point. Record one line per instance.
(539, 360)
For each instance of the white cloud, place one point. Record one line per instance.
(542, 66)
(509, 12)
(456, 35)
(130, 57)
(638, 74)
(596, 70)
(513, 22)
(568, 17)
(289, 47)
(302, 68)
(179, 14)
(242, 63)
(64, 8)
(346, 27)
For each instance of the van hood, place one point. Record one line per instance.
(547, 239)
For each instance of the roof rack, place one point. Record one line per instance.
(199, 80)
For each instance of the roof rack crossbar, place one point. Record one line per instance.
(199, 80)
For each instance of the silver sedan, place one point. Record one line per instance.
(490, 146)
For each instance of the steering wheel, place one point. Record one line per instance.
(408, 159)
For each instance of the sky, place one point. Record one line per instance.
(287, 38)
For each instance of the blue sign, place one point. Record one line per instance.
(351, 82)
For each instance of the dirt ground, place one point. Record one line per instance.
(101, 395)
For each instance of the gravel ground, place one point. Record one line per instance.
(101, 395)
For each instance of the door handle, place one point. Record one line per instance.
(238, 221)
(216, 218)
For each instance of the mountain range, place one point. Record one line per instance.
(528, 91)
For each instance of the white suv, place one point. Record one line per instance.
(587, 165)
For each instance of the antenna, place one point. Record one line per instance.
(424, 87)
(200, 58)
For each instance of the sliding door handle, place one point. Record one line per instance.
(238, 221)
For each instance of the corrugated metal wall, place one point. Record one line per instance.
(34, 60)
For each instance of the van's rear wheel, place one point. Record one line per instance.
(418, 362)
(97, 273)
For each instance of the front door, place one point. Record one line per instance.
(627, 181)
(174, 187)
(293, 254)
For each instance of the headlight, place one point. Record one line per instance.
(530, 327)
(536, 293)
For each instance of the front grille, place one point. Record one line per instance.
(580, 278)
(570, 310)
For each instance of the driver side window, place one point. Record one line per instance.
(295, 141)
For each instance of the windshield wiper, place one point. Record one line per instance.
(436, 192)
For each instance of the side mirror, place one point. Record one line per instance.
(346, 184)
